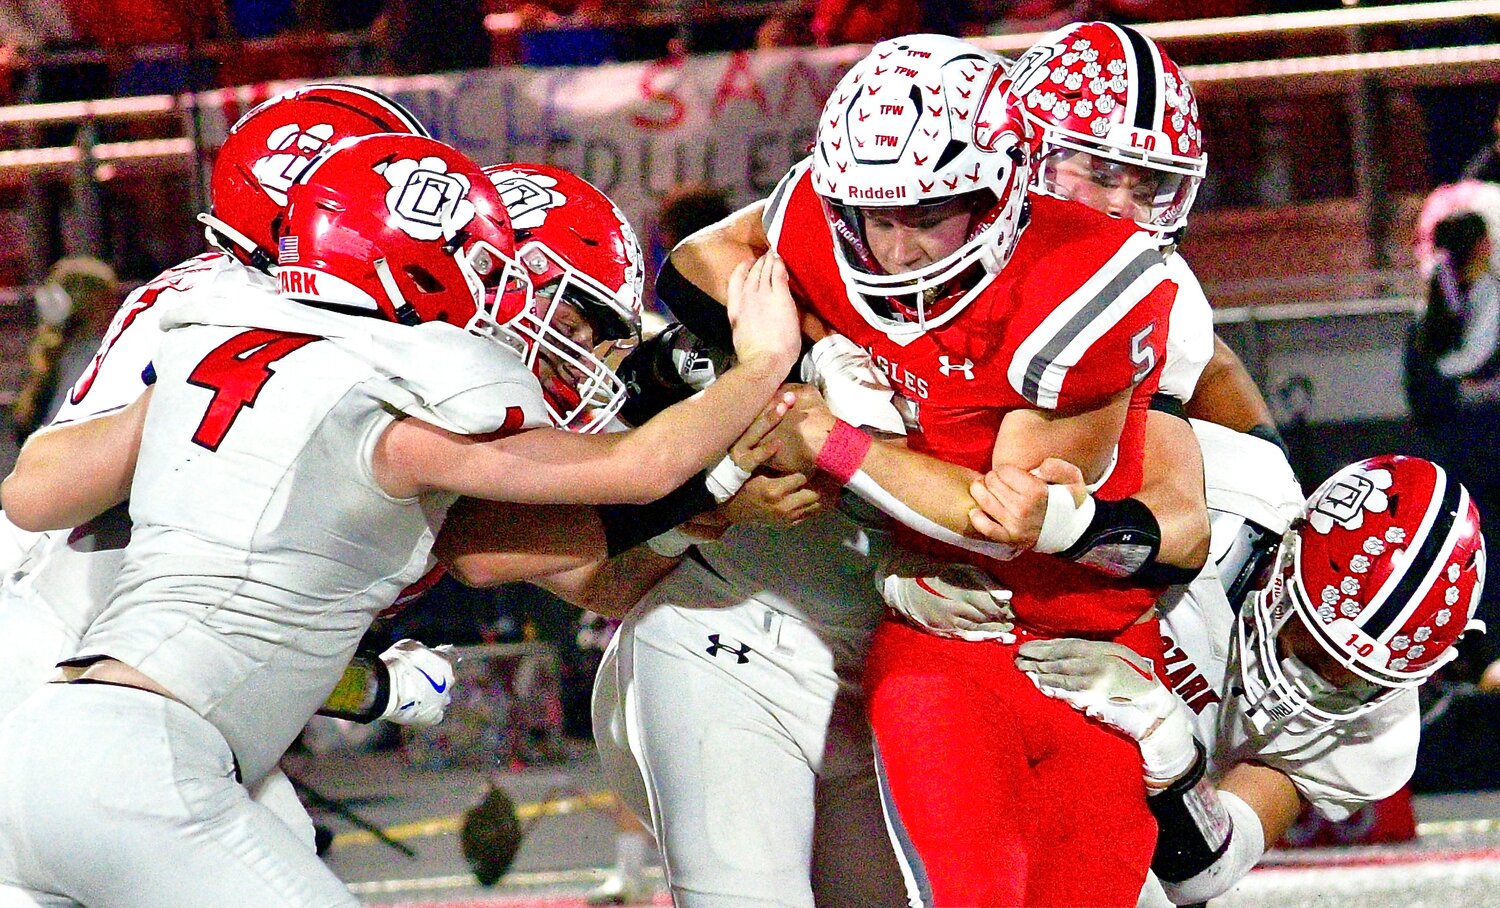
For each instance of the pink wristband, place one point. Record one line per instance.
(844, 451)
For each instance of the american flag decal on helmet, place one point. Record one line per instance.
(286, 251)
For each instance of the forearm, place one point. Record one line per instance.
(1172, 487)
(610, 587)
(488, 543)
(1256, 804)
(707, 258)
(70, 474)
(1227, 395)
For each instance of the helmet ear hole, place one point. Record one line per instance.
(423, 278)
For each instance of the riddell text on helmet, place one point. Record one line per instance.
(877, 192)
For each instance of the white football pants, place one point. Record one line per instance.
(115, 796)
(739, 733)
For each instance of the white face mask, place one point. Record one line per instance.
(53, 304)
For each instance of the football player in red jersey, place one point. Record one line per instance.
(1007, 349)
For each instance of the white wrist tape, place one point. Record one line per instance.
(1247, 843)
(726, 479)
(1065, 521)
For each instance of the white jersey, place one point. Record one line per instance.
(56, 583)
(262, 545)
(1337, 769)
(1190, 334)
(821, 570)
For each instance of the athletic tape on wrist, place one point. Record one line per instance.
(844, 451)
(1065, 520)
(725, 480)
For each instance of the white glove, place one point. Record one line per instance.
(952, 600)
(856, 390)
(1118, 687)
(421, 683)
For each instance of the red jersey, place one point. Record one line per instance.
(1079, 314)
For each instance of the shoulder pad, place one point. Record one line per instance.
(1080, 308)
(779, 199)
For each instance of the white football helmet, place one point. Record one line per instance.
(922, 121)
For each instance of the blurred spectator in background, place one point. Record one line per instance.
(1452, 361)
(73, 306)
(864, 21)
(685, 209)
(784, 29)
(1485, 165)
(430, 36)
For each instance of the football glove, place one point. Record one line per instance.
(1118, 687)
(951, 600)
(853, 386)
(421, 683)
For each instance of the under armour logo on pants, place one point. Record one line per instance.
(740, 652)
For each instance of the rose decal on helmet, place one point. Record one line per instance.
(425, 200)
(292, 148)
(1346, 497)
(527, 197)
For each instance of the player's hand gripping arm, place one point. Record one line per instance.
(1208, 837)
(67, 475)
(1168, 512)
(551, 466)
(932, 496)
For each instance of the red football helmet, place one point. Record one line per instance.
(1110, 94)
(1384, 570)
(269, 146)
(403, 227)
(577, 249)
(920, 138)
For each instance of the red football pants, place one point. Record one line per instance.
(997, 795)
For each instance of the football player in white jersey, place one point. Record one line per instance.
(56, 583)
(1307, 690)
(295, 465)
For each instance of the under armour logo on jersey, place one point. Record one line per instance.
(292, 148)
(948, 367)
(426, 201)
(741, 652)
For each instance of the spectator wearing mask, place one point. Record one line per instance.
(74, 306)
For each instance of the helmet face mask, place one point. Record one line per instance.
(1373, 586)
(923, 123)
(1110, 92)
(583, 256)
(1103, 182)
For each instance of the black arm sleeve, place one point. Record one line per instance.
(628, 525)
(1166, 403)
(1193, 828)
(703, 315)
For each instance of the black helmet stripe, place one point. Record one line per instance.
(1418, 573)
(1147, 78)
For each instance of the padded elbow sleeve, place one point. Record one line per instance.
(628, 525)
(703, 315)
